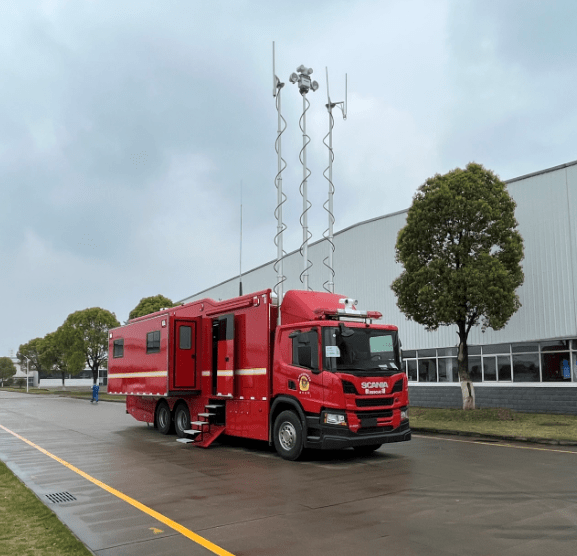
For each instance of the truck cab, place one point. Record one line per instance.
(337, 377)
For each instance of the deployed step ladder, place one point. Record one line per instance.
(208, 428)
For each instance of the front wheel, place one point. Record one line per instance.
(181, 419)
(163, 418)
(288, 435)
(366, 450)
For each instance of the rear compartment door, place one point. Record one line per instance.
(223, 355)
(185, 348)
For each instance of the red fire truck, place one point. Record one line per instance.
(327, 376)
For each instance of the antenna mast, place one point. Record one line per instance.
(281, 197)
(329, 285)
(240, 257)
(304, 82)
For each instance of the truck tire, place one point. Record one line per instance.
(288, 435)
(366, 450)
(163, 418)
(181, 419)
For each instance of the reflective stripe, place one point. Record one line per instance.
(224, 373)
(250, 372)
(205, 373)
(151, 374)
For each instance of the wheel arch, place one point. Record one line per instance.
(283, 403)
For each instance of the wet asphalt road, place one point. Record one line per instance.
(431, 496)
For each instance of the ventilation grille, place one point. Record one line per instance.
(60, 497)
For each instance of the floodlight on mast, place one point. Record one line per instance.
(303, 80)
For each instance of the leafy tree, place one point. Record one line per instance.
(149, 305)
(7, 369)
(461, 254)
(31, 350)
(56, 357)
(85, 333)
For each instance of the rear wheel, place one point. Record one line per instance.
(181, 419)
(163, 418)
(366, 450)
(288, 435)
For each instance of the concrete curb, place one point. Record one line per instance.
(533, 440)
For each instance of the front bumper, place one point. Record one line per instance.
(326, 437)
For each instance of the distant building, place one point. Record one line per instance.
(530, 365)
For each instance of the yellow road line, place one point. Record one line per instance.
(152, 513)
(499, 443)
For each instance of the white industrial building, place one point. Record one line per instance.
(530, 365)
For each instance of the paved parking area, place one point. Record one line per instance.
(431, 496)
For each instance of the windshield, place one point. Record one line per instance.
(360, 350)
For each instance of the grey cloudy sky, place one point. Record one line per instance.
(126, 129)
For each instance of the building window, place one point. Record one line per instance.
(526, 367)
(489, 369)
(448, 369)
(475, 369)
(547, 361)
(118, 348)
(153, 342)
(427, 370)
(412, 369)
(504, 368)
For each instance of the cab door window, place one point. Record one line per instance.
(305, 349)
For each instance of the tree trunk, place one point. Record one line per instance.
(63, 379)
(95, 376)
(467, 387)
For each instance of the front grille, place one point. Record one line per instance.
(375, 414)
(374, 402)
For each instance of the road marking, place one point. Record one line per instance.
(138, 505)
(504, 445)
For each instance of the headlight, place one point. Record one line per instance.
(404, 414)
(335, 419)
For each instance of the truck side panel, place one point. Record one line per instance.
(141, 367)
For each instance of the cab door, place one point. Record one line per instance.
(223, 356)
(185, 353)
(307, 378)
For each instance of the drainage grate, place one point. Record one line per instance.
(60, 497)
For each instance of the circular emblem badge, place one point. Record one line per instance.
(304, 383)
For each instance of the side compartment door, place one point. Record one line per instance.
(223, 355)
(185, 353)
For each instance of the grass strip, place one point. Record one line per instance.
(497, 421)
(30, 528)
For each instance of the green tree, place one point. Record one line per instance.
(86, 333)
(29, 355)
(149, 305)
(461, 254)
(7, 369)
(57, 357)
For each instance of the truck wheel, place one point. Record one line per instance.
(163, 418)
(366, 450)
(181, 419)
(288, 435)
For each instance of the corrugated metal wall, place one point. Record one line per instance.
(365, 267)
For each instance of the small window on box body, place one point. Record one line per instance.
(118, 349)
(153, 342)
